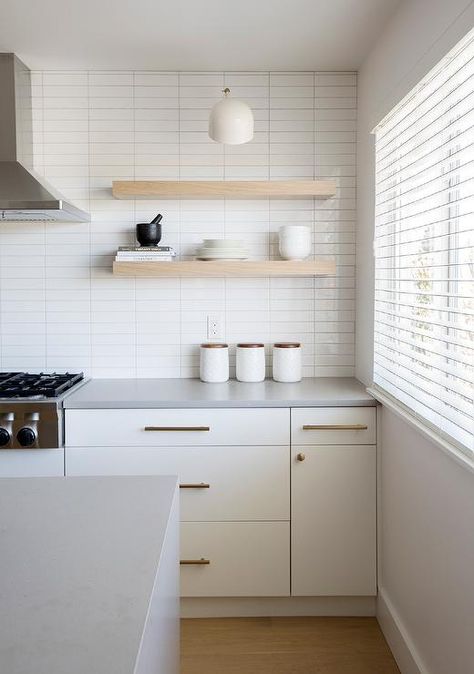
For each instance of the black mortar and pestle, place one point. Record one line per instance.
(149, 233)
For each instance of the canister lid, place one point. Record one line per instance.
(214, 346)
(251, 346)
(287, 345)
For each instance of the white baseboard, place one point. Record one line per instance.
(400, 642)
(251, 607)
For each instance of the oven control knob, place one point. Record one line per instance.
(5, 437)
(26, 436)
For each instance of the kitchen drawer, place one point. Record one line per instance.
(177, 427)
(333, 426)
(246, 559)
(244, 483)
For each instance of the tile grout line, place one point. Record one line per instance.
(313, 227)
(135, 280)
(180, 280)
(45, 291)
(91, 269)
(270, 233)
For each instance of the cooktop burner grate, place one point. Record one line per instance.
(24, 385)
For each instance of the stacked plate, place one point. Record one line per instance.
(222, 249)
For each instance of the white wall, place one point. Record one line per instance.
(60, 306)
(427, 548)
(426, 554)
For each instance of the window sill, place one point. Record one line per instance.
(442, 444)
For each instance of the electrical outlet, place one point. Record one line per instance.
(215, 327)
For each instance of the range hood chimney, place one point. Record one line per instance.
(24, 195)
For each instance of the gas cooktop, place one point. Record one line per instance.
(36, 386)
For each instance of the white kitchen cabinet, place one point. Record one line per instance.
(245, 559)
(333, 520)
(233, 468)
(218, 483)
(239, 471)
(177, 427)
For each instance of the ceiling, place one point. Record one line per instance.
(192, 34)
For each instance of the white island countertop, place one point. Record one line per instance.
(78, 562)
(189, 393)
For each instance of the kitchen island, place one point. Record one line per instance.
(89, 575)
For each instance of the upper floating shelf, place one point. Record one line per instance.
(232, 189)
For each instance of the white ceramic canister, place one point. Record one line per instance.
(250, 362)
(295, 242)
(214, 363)
(287, 362)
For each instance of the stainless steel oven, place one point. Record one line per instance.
(32, 422)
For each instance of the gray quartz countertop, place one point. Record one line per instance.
(181, 393)
(78, 559)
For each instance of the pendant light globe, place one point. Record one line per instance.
(231, 121)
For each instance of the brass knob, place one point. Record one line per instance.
(300, 456)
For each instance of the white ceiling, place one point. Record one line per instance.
(192, 34)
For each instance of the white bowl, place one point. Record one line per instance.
(222, 243)
(224, 256)
(221, 251)
(210, 253)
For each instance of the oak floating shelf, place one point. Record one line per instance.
(232, 189)
(195, 268)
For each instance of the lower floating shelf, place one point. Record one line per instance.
(318, 267)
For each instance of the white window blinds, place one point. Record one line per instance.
(424, 249)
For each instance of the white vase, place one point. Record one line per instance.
(295, 242)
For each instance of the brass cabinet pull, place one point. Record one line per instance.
(198, 562)
(334, 427)
(301, 456)
(177, 428)
(198, 485)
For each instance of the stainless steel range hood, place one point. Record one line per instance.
(24, 195)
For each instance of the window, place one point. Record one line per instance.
(424, 249)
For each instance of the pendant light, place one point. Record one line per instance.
(231, 121)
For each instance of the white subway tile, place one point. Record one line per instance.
(236, 80)
(155, 92)
(64, 91)
(63, 78)
(336, 79)
(292, 79)
(149, 79)
(110, 79)
(155, 102)
(91, 128)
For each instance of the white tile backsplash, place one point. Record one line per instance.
(60, 306)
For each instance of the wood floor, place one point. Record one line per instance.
(284, 646)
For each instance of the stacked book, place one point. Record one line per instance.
(145, 254)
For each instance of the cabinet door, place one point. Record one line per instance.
(32, 463)
(333, 534)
